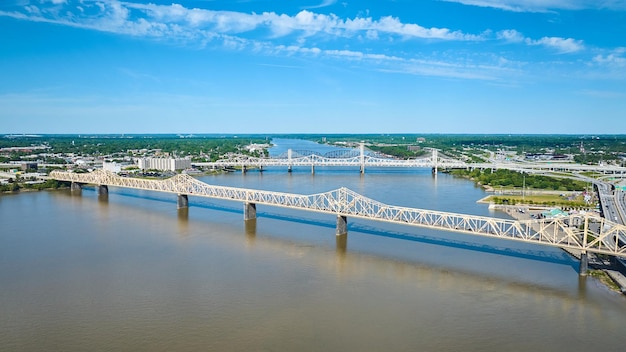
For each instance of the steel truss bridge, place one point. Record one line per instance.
(298, 158)
(583, 233)
(363, 159)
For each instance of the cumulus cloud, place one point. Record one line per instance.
(306, 33)
(562, 45)
(115, 15)
(614, 59)
(510, 35)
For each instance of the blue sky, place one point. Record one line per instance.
(317, 66)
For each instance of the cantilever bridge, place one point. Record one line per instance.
(581, 232)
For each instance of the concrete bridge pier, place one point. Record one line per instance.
(342, 225)
(249, 211)
(182, 201)
(312, 169)
(243, 169)
(362, 157)
(289, 168)
(584, 264)
(76, 187)
(103, 190)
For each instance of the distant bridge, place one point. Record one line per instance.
(582, 233)
(362, 159)
(347, 158)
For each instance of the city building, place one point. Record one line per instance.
(163, 164)
(112, 167)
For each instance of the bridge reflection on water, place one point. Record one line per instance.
(572, 232)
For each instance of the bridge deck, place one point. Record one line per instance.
(571, 232)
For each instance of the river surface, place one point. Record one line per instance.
(130, 272)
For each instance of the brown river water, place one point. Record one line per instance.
(132, 273)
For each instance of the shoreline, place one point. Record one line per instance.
(604, 271)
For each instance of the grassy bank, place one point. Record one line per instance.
(550, 200)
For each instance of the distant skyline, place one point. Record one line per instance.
(319, 66)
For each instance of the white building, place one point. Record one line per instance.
(163, 164)
(111, 166)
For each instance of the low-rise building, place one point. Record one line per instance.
(111, 166)
(163, 164)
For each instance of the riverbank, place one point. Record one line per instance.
(606, 271)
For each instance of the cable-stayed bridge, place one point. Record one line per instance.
(583, 233)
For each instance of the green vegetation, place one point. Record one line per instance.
(15, 186)
(203, 148)
(584, 149)
(400, 151)
(544, 200)
(604, 278)
(507, 178)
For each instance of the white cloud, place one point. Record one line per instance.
(562, 45)
(614, 59)
(116, 16)
(545, 5)
(324, 3)
(291, 35)
(511, 35)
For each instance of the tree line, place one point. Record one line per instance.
(514, 179)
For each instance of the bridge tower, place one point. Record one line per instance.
(435, 158)
(289, 166)
(362, 156)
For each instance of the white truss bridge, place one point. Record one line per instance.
(580, 233)
(362, 160)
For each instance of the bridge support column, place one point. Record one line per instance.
(289, 168)
(183, 201)
(584, 263)
(76, 187)
(243, 169)
(362, 157)
(289, 158)
(103, 190)
(312, 169)
(342, 225)
(249, 211)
